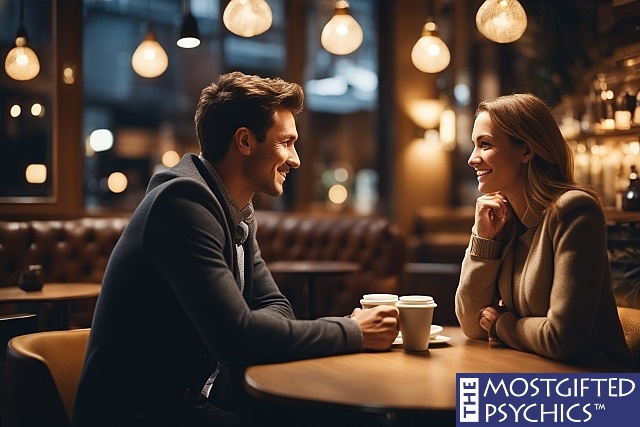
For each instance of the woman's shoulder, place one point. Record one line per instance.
(577, 200)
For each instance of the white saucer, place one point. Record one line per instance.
(439, 339)
(435, 330)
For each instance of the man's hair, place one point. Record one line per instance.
(239, 100)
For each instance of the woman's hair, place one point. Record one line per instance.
(528, 121)
(239, 100)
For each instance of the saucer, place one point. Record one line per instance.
(439, 339)
(435, 330)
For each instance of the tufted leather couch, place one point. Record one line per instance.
(77, 250)
(373, 242)
(69, 250)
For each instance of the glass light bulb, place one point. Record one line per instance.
(150, 60)
(430, 54)
(342, 34)
(502, 21)
(247, 18)
(22, 62)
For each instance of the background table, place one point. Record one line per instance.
(422, 383)
(58, 293)
(309, 271)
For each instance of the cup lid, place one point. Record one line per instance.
(417, 299)
(380, 297)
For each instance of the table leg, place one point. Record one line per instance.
(61, 313)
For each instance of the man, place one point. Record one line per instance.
(187, 301)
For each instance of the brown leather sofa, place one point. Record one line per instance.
(373, 242)
(77, 250)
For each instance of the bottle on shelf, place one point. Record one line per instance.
(631, 198)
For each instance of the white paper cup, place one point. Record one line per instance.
(415, 322)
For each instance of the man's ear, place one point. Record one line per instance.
(527, 155)
(241, 140)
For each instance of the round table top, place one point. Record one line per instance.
(392, 380)
(51, 292)
(316, 267)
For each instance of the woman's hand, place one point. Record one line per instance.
(490, 314)
(492, 213)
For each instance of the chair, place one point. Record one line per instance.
(43, 370)
(10, 326)
(630, 319)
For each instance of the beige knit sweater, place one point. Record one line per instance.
(555, 280)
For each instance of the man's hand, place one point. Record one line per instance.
(379, 326)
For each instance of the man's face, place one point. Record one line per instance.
(267, 166)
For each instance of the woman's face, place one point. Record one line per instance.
(499, 163)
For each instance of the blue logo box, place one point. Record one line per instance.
(590, 400)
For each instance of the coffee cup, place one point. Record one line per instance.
(416, 315)
(374, 300)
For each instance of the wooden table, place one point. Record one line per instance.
(59, 293)
(309, 271)
(419, 384)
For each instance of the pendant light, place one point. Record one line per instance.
(247, 18)
(150, 60)
(501, 21)
(342, 34)
(22, 62)
(430, 54)
(189, 34)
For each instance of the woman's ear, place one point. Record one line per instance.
(527, 155)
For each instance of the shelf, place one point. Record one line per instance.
(616, 133)
(622, 217)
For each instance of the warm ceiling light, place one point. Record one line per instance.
(36, 173)
(448, 129)
(117, 182)
(502, 21)
(342, 34)
(426, 112)
(22, 62)
(189, 34)
(150, 60)
(247, 18)
(430, 54)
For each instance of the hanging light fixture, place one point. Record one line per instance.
(189, 34)
(247, 18)
(150, 60)
(22, 62)
(502, 21)
(430, 54)
(342, 34)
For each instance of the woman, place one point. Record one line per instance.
(536, 275)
